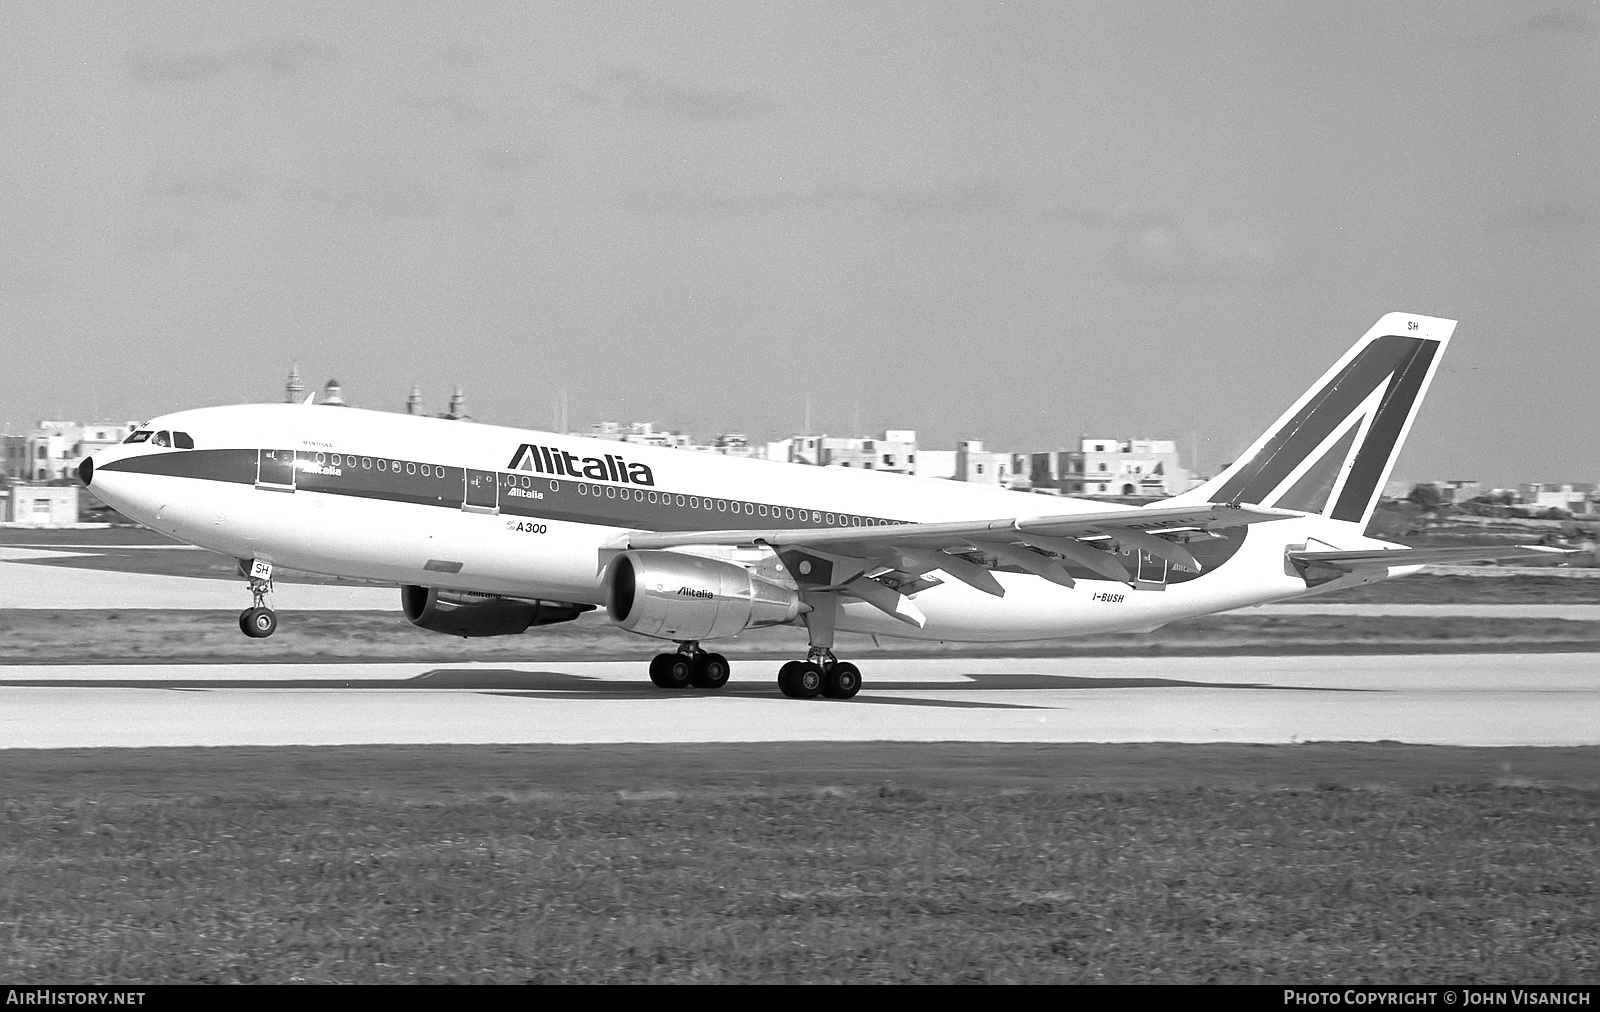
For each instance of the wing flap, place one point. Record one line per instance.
(1092, 559)
(969, 573)
(887, 600)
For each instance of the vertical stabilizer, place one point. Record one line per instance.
(1331, 453)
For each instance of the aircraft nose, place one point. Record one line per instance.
(86, 471)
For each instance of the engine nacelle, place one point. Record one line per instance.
(685, 597)
(462, 613)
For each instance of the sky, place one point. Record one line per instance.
(1015, 222)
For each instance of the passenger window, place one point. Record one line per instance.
(182, 440)
(162, 439)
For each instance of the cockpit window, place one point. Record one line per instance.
(182, 440)
(163, 438)
(138, 437)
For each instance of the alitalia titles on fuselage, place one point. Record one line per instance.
(610, 467)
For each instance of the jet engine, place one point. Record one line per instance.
(462, 613)
(685, 597)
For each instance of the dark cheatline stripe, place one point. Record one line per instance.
(237, 466)
(1332, 404)
(513, 494)
(441, 486)
(1378, 448)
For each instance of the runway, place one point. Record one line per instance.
(1490, 700)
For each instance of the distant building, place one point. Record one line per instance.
(639, 432)
(294, 389)
(42, 505)
(1574, 497)
(895, 451)
(732, 444)
(1120, 468)
(982, 467)
(1454, 490)
(456, 412)
(54, 449)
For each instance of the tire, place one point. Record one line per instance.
(786, 679)
(676, 671)
(807, 681)
(259, 623)
(842, 681)
(658, 673)
(710, 672)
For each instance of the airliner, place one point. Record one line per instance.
(490, 531)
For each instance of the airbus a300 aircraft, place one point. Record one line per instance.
(491, 530)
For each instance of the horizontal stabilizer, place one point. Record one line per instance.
(1349, 562)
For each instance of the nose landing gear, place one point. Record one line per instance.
(258, 623)
(259, 620)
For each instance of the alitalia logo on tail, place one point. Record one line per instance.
(609, 467)
(1332, 451)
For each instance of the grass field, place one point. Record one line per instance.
(801, 862)
(46, 637)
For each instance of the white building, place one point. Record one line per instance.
(54, 449)
(639, 432)
(732, 444)
(1574, 497)
(41, 505)
(980, 466)
(895, 451)
(1121, 468)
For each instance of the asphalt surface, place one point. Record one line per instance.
(1473, 700)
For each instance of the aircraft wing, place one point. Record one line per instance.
(1349, 562)
(1129, 524)
(876, 563)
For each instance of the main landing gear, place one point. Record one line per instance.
(259, 620)
(690, 667)
(820, 674)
